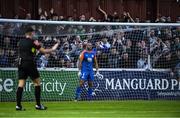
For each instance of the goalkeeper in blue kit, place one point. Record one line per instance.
(85, 65)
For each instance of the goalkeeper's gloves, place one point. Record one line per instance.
(79, 73)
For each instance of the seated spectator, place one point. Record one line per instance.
(77, 39)
(118, 41)
(152, 37)
(168, 19)
(28, 16)
(70, 18)
(92, 19)
(11, 57)
(65, 56)
(54, 60)
(55, 17)
(105, 45)
(42, 15)
(176, 43)
(137, 20)
(176, 64)
(142, 62)
(108, 31)
(16, 16)
(158, 49)
(82, 18)
(97, 48)
(7, 42)
(80, 30)
(61, 18)
(160, 19)
(39, 31)
(128, 46)
(113, 58)
(156, 46)
(167, 45)
(108, 17)
(67, 62)
(3, 59)
(125, 61)
(102, 59)
(165, 60)
(127, 17)
(178, 19)
(43, 61)
(52, 13)
(78, 48)
(144, 46)
(1, 29)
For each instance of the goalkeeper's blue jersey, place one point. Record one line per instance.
(87, 58)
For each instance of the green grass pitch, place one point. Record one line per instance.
(96, 109)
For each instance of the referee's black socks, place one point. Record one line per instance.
(19, 96)
(38, 94)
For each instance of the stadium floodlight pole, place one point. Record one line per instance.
(86, 23)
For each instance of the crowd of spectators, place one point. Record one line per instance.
(115, 46)
(52, 15)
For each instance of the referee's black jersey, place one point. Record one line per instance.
(27, 49)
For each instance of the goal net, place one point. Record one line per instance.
(136, 60)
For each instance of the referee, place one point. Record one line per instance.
(27, 67)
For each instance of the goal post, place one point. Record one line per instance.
(136, 60)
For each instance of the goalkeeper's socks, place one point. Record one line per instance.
(19, 96)
(38, 94)
(90, 93)
(78, 93)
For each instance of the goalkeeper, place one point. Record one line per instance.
(27, 67)
(85, 65)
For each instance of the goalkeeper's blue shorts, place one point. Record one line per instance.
(87, 76)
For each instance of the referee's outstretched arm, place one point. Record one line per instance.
(43, 50)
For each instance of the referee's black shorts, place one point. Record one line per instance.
(27, 69)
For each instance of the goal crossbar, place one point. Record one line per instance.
(86, 23)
